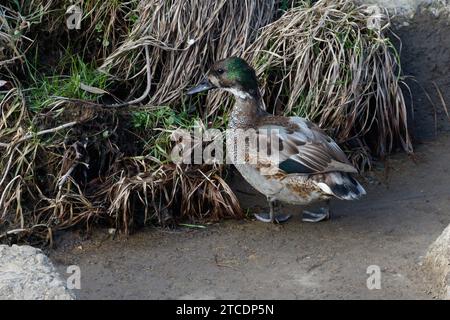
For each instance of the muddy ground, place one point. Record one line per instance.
(392, 227)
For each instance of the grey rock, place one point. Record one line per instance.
(27, 274)
(437, 263)
(407, 9)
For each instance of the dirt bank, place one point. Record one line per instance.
(426, 57)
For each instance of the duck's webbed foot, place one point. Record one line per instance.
(317, 216)
(271, 216)
(278, 218)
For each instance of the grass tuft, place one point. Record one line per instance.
(72, 163)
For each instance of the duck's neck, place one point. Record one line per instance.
(247, 108)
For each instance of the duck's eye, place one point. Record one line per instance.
(220, 71)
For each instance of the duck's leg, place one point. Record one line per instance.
(271, 216)
(320, 215)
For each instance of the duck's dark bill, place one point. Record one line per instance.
(205, 85)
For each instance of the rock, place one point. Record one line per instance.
(404, 10)
(26, 273)
(437, 264)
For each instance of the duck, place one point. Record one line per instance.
(301, 164)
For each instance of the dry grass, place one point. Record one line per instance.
(319, 61)
(58, 177)
(64, 163)
(13, 27)
(324, 63)
(184, 39)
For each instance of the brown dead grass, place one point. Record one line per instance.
(74, 163)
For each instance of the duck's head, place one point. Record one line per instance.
(233, 75)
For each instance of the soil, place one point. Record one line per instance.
(425, 56)
(406, 209)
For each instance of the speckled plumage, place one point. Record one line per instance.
(299, 187)
(306, 166)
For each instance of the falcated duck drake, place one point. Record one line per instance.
(302, 164)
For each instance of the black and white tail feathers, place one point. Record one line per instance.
(341, 185)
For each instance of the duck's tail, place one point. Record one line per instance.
(340, 184)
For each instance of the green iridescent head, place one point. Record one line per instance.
(232, 74)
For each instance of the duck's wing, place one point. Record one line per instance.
(303, 147)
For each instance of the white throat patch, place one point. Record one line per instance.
(238, 93)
